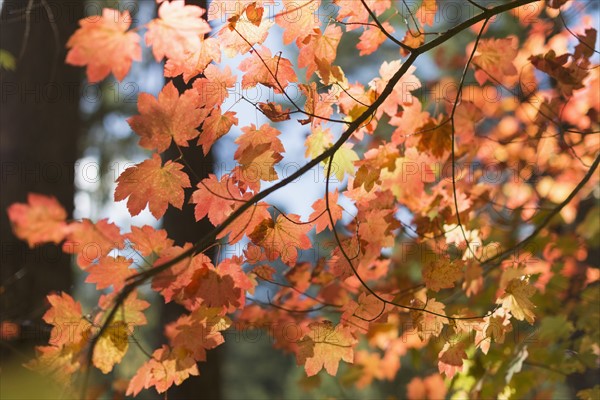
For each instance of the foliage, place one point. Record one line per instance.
(447, 225)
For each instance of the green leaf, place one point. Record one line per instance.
(7, 61)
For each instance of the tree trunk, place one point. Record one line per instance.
(39, 128)
(182, 227)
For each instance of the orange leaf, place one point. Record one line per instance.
(324, 346)
(169, 117)
(110, 271)
(104, 45)
(177, 30)
(299, 17)
(149, 183)
(282, 238)
(275, 72)
(41, 220)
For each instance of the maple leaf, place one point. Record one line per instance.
(213, 87)
(516, 299)
(39, 221)
(66, 317)
(298, 19)
(274, 112)
(130, 311)
(242, 32)
(494, 57)
(110, 271)
(147, 240)
(111, 346)
(213, 288)
(246, 223)
(91, 241)
(343, 162)
(324, 346)
(104, 45)
(320, 46)
(196, 61)
(431, 388)
(214, 127)
(177, 30)
(372, 38)
(320, 215)
(172, 282)
(316, 105)
(428, 324)
(412, 39)
(435, 137)
(275, 72)
(359, 315)
(170, 117)
(166, 367)
(216, 198)
(426, 13)
(451, 359)
(150, 183)
(282, 237)
(199, 331)
(258, 151)
(569, 77)
(441, 274)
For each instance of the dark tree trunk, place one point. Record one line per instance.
(39, 127)
(182, 227)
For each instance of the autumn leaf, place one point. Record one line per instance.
(242, 33)
(65, 312)
(441, 274)
(216, 198)
(91, 241)
(372, 38)
(111, 346)
(275, 72)
(199, 331)
(320, 215)
(298, 19)
(429, 322)
(196, 61)
(214, 127)
(324, 346)
(435, 137)
(493, 59)
(213, 87)
(42, 219)
(343, 162)
(177, 31)
(147, 240)
(516, 299)
(150, 183)
(451, 359)
(170, 117)
(104, 45)
(130, 311)
(318, 47)
(166, 368)
(274, 112)
(110, 271)
(282, 237)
